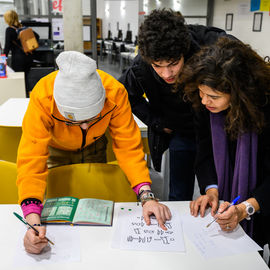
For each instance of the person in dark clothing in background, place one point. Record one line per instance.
(19, 60)
(165, 43)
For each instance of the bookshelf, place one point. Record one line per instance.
(87, 44)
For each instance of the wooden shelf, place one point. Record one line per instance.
(86, 22)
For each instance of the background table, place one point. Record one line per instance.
(96, 251)
(12, 86)
(12, 112)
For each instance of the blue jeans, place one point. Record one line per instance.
(182, 176)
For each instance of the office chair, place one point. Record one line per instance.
(90, 180)
(9, 141)
(119, 36)
(8, 190)
(114, 53)
(109, 37)
(128, 38)
(34, 75)
(136, 41)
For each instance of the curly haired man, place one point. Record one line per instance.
(165, 43)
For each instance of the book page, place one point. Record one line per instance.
(94, 211)
(212, 242)
(133, 233)
(59, 209)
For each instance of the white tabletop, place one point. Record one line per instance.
(96, 251)
(13, 110)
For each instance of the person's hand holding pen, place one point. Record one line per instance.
(230, 218)
(34, 243)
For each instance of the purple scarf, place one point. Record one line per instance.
(242, 180)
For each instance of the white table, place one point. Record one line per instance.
(96, 251)
(13, 110)
(12, 86)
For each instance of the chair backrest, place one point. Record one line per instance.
(109, 151)
(90, 180)
(9, 142)
(35, 74)
(8, 188)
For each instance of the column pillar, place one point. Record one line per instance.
(73, 25)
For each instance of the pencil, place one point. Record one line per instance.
(26, 223)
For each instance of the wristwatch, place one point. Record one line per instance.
(147, 195)
(250, 210)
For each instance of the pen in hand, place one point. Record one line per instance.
(26, 223)
(231, 204)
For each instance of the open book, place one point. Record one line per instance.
(71, 210)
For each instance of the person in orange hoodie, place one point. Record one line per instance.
(65, 122)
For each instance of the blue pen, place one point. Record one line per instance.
(231, 204)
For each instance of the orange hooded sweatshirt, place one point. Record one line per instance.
(41, 130)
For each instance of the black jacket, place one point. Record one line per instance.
(163, 109)
(206, 172)
(19, 60)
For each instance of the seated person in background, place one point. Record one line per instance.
(68, 114)
(229, 86)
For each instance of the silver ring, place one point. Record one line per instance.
(227, 227)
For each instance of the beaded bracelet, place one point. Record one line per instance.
(142, 192)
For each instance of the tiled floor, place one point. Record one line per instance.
(112, 69)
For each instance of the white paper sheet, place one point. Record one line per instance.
(66, 247)
(133, 233)
(212, 242)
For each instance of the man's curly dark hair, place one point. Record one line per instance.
(163, 36)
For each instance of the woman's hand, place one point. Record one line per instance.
(161, 212)
(201, 203)
(229, 220)
(34, 243)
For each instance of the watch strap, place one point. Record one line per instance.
(147, 195)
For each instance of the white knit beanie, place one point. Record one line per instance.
(78, 90)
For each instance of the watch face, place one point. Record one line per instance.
(250, 210)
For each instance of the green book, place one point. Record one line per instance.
(75, 211)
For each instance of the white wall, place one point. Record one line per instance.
(123, 12)
(186, 7)
(86, 7)
(4, 6)
(242, 24)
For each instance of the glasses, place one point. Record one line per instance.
(78, 123)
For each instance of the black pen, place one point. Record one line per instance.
(26, 223)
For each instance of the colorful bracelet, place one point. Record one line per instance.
(142, 192)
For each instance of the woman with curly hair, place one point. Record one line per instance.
(228, 84)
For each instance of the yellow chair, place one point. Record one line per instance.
(109, 152)
(8, 190)
(90, 180)
(9, 142)
(111, 159)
